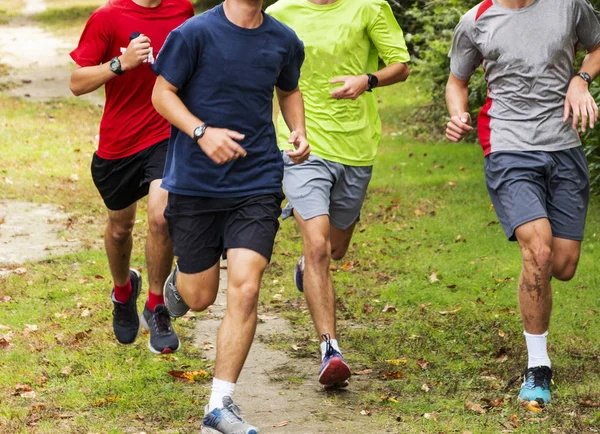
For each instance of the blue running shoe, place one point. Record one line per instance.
(299, 274)
(226, 420)
(536, 385)
(335, 372)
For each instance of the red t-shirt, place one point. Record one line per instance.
(129, 122)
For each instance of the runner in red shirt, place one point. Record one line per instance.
(118, 45)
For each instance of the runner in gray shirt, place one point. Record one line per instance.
(535, 169)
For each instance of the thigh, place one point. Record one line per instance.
(157, 201)
(154, 159)
(253, 223)
(117, 181)
(568, 194)
(307, 187)
(348, 195)
(516, 182)
(196, 230)
(123, 218)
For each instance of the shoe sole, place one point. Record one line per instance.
(336, 374)
(172, 309)
(207, 430)
(137, 296)
(150, 347)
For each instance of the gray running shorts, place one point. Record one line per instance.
(319, 187)
(528, 185)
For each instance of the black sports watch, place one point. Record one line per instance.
(586, 77)
(199, 132)
(372, 82)
(115, 66)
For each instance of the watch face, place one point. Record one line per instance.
(115, 66)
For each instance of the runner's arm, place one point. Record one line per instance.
(356, 85)
(578, 100)
(457, 101)
(218, 144)
(292, 110)
(87, 79)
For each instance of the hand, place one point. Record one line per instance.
(220, 145)
(302, 147)
(354, 86)
(137, 51)
(458, 127)
(581, 103)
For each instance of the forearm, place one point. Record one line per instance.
(292, 109)
(169, 105)
(591, 63)
(457, 96)
(89, 78)
(391, 74)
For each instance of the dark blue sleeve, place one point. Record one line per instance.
(176, 61)
(290, 73)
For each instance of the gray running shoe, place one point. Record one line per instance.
(173, 301)
(163, 339)
(126, 321)
(226, 420)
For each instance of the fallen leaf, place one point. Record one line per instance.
(364, 372)
(587, 403)
(367, 308)
(365, 412)
(397, 361)
(393, 375)
(424, 365)
(389, 308)
(501, 356)
(265, 318)
(425, 387)
(67, 371)
(42, 380)
(295, 347)
(450, 312)
(493, 403)
(105, 401)
(475, 407)
(532, 406)
(385, 398)
(348, 266)
(280, 424)
(433, 415)
(28, 395)
(189, 376)
(501, 333)
(22, 388)
(30, 328)
(85, 312)
(514, 420)
(74, 177)
(433, 277)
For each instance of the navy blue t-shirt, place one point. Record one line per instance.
(225, 75)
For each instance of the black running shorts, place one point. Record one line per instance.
(203, 228)
(124, 181)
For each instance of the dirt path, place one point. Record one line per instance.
(271, 402)
(40, 66)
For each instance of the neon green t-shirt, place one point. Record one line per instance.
(342, 38)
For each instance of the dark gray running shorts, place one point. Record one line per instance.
(529, 185)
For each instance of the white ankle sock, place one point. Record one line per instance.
(220, 389)
(334, 344)
(537, 350)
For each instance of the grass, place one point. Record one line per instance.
(428, 247)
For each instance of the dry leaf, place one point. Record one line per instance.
(29, 395)
(514, 420)
(365, 412)
(389, 308)
(85, 312)
(364, 372)
(30, 328)
(450, 312)
(474, 407)
(397, 361)
(501, 333)
(22, 388)
(280, 424)
(425, 388)
(493, 403)
(265, 318)
(433, 277)
(189, 376)
(532, 406)
(74, 177)
(385, 398)
(393, 375)
(348, 266)
(587, 403)
(502, 355)
(105, 401)
(424, 365)
(433, 415)
(367, 308)
(67, 371)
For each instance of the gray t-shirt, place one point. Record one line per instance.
(527, 55)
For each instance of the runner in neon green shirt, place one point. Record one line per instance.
(343, 42)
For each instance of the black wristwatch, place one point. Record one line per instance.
(372, 82)
(586, 77)
(199, 132)
(115, 66)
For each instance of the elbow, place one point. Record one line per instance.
(405, 73)
(156, 100)
(75, 89)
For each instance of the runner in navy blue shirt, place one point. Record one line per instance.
(216, 77)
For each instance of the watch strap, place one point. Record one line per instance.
(586, 77)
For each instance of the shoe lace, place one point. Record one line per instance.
(232, 414)
(162, 321)
(122, 313)
(329, 350)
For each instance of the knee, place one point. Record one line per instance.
(246, 298)
(565, 271)
(120, 232)
(157, 224)
(538, 255)
(198, 301)
(318, 251)
(338, 253)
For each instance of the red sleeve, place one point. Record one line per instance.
(191, 11)
(95, 39)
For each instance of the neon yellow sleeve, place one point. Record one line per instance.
(387, 36)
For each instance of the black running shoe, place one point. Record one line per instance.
(163, 339)
(126, 321)
(536, 385)
(173, 301)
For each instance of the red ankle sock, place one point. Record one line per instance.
(122, 293)
(154, 300)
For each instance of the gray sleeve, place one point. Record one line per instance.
(587, 24)
(465, 58)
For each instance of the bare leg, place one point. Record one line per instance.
(199, 290)
(245, 269)
(566, 258)
(159, 250)
(118, 242)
